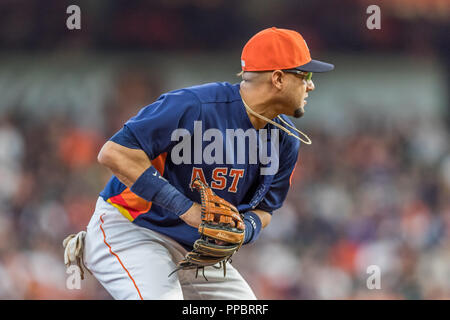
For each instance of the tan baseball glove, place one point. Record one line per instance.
(221, 230)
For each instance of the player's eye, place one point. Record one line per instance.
(302, 74)
(306, 75)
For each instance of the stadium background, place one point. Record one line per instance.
(372, 189)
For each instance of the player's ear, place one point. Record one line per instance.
(278, 79)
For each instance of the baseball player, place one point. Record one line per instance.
(233, 138)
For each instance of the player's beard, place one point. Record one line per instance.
(298, 113)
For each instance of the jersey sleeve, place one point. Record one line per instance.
(126, 138)
(279, 187)
(151, 129)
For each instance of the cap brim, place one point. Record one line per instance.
(316, 66)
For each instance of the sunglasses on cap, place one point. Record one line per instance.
(304, 74)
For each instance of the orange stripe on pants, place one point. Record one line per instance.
(110, 250)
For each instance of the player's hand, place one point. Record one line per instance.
(193, 216)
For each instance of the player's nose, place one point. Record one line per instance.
(310, 86)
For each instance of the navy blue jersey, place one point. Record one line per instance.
(205, 132)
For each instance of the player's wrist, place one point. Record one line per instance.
(151, 186)
(253, 227)
(192, 216)
(173, 200)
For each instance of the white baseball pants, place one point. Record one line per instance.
(133, 262)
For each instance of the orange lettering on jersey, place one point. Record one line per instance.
(236, 174)
(198, 173)
(219, 181)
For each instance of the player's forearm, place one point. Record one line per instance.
(264, 216)
(133, 168)
(125, 163)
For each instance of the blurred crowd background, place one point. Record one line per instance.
(372, 189)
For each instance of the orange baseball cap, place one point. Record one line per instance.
(279, 49)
